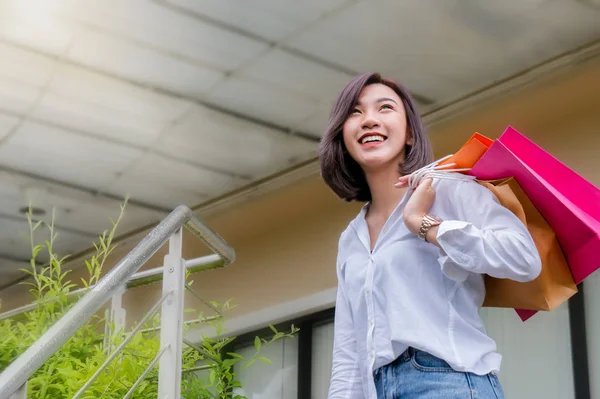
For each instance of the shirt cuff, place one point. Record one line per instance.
(454, 240)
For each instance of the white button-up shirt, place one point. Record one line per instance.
(408, 292)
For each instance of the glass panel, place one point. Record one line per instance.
(322, 347)
(592, 319)
(278, 380)
(536, 354)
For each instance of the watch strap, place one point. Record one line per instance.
(428, 222)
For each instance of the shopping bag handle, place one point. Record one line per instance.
(436, 171)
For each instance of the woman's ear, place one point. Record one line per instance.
(409, 139)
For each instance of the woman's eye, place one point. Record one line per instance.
(356, 111)
(387, 106)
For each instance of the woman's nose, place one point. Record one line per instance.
(369, 121)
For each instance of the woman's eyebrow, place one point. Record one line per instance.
(379, 100)
(383, 99)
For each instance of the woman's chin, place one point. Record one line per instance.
(376, 163)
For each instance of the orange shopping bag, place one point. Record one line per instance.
(555, 284)
(470, 153)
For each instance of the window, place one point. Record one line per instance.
(538, 355)
(278, 380)
(592, 318)
(322, 348)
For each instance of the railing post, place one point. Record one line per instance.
(115, 320)
(171, 321)
(13, 377)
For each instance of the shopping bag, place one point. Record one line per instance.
(470, 152)
(569, 203)
(555, 284)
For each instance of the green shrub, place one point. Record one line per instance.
(81, 356)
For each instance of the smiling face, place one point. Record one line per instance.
(375, 132)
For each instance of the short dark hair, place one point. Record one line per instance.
(339, 170)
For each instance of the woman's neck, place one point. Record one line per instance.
(384, 196)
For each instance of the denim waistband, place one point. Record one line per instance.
(404, 357)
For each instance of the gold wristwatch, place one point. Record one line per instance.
(428, 222)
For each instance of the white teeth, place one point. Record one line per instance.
(369, 139)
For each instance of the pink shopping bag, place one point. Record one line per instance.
(569, 203)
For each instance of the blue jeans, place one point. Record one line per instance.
(419, 375)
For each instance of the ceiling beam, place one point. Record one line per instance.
(593, 5)
(543, 70)
(66, 229)
(123, 143)
(17, 280)
(13, 258)
(181, 10)
(87, 190)
(166, 92)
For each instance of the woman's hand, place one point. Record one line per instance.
(418, 205)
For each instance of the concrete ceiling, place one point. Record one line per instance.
(179, 101)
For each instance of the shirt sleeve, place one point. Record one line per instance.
(484, 237)
(345, 380)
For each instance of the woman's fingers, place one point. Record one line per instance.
(402, 182)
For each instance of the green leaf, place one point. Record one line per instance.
(250, 363)
(36, 250)
(264, 359)
(257, 343)
(228, 363)
(37, 225)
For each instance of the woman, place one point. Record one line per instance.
(411, 264)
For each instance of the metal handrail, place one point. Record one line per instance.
(139, 279)
(19, 371)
